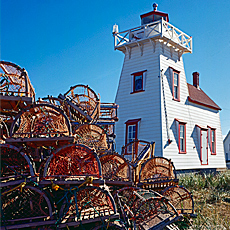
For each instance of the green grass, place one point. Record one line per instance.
(211, 194)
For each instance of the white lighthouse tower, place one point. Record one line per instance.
(155, 101)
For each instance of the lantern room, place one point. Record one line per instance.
(153, 16)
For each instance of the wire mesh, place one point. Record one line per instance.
(88, 203)
(74, 160)
(22, 204)
(14, 164)
(115, 167)
(180, 198)
(156, 169)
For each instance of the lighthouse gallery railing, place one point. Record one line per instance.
(159, 29)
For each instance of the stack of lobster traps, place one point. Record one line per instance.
(60, 168)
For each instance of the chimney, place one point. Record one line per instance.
(196, 79)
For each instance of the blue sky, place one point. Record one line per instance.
(62, 43)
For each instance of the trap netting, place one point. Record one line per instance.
(73, 161)
(93, 136)
(143, 209)
(14, 81)
(24, 203)
(87, 203)
(86, 99)
(14, 163)
(115, 168)
(41, 120)
(156, 169)
(180, 198)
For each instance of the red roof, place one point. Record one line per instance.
(198, 96)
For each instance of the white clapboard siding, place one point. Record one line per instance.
(150, 107)
(139, 105)
(193, 115)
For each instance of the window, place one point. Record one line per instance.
(131, 130)
(131, 135)
(181, 126)
(138, 81)
(182, 144)
(213, 141)
(175, 84)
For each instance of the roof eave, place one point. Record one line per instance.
(206, 105)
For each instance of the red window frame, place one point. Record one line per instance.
(181, 123)
(183, 151)
(134, 75)
(201, 144)
(128, 123)
(213, 151)
(178, 85)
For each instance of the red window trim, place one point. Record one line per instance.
(178, 72)
(184, 124)
(212, 129)
(131, 122)
(201, 143)
(138, 74)
(138, 91)
(180, 121)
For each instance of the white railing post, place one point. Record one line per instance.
(115, 41)
(161, 27)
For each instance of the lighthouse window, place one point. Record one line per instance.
(176, 85)
(138, 81)
(158, 17)
(147, 20)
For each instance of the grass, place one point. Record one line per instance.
(211, 194)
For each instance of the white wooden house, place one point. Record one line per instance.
(155, 101)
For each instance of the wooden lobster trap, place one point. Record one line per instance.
(16, 90)
(144, 209)
(55, 149)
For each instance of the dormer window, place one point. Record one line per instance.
(138, 81)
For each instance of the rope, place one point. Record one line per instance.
(88, 180)
(68, 202)
(17, 104)
(21, 186)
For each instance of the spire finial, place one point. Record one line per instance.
(155, 5)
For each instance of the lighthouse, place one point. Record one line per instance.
(155, 101)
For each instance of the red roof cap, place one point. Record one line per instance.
(198, 96)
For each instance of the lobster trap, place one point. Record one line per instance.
(60, 168)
